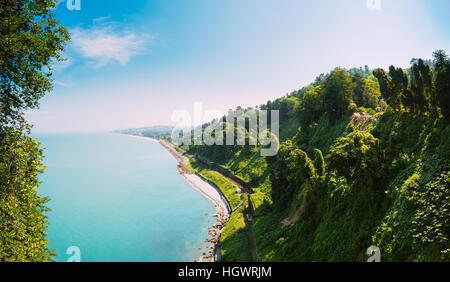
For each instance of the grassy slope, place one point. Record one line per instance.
(235, 243)
(406, 215)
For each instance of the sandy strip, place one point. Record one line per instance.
(144, 138)
(208, 191)
(197, 182)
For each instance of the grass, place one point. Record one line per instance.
(235, 241)
(225, 185)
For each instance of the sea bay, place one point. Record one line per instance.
(120, 199)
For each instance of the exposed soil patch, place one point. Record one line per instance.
(361, 121)
(290, 220)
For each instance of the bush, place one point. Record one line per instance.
(22, 219)
(357, 156)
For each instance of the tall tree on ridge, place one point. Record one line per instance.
(442, 82)
(338, 93)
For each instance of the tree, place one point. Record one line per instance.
(320, 78)
(287, 106)
(358, 91)
(442, 82)
(440, 59)
(425, 92)
(399, 85)
(338, 93)
(22, 219)
(311, 107)
(421, 86)
(291, 168)
(30, 39)
(319, 162)
(282, 189)
(300, 166)
(385, 84)
(356, 156)
(371, 94)
(392, 90)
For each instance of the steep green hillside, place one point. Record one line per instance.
(363, 161)
(385, 186)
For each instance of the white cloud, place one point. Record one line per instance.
(104, 45)
(101, 19)
(63, 84)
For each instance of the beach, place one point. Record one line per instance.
(144, 138)
(207, 190)
(123, 190)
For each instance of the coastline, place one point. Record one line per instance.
(144, 138)
(208, 191)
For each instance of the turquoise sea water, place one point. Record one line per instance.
(121, 199)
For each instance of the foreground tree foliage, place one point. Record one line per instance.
(31, 40)
(22, 219)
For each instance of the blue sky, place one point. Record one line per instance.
(133, 63)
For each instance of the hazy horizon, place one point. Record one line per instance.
(132, 64)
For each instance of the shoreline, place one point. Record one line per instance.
(144, 138)
(208, 191)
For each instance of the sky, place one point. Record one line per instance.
(134, 63)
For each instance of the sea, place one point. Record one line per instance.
(115, 198)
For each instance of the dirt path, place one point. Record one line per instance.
(296, 215)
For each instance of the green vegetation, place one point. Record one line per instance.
(234, 240)
(236, 228)
(364, 160)
(415, 90)
(226, 186)
(22, 218)
(30, 39)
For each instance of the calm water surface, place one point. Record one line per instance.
(121, 199)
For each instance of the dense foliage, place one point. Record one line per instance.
(22, 219)
(364, 160)
(31, 40)
(416, 91)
